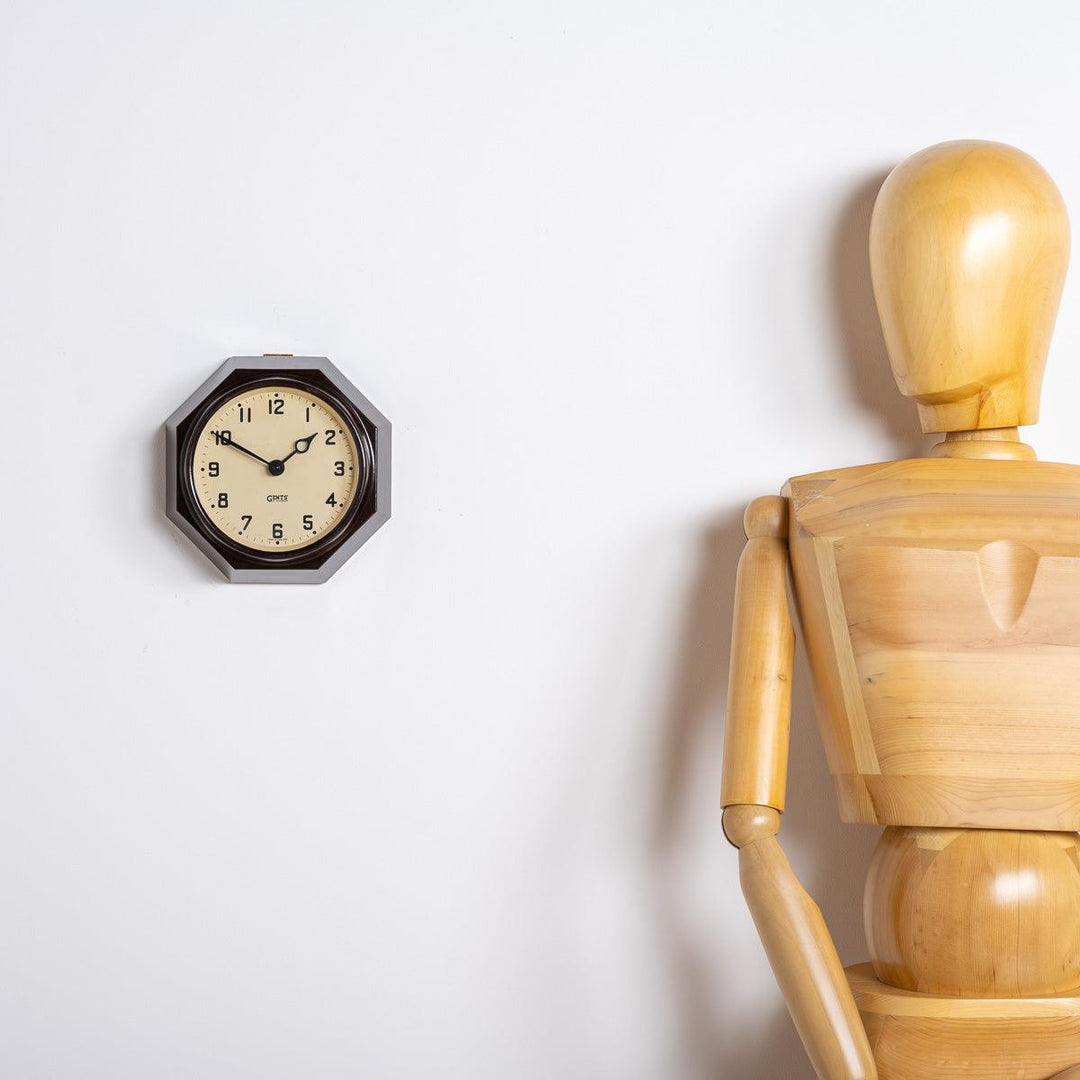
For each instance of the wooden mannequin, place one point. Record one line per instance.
(939, 600)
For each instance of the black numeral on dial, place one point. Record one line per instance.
(331, 500)
(246, 519)
(223, 500)
(309, 523)
(331, 436)
(276, 406)
(277, 530)
(214, 468)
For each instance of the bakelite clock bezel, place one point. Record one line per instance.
(370, 507)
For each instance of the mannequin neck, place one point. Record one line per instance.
(996, 444)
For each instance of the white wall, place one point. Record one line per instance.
(455, 813)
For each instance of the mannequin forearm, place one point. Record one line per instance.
(799, 948)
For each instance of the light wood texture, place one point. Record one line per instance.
(791, 927)
(969, 244)
(875, 998)
(975, 913)
(926, 1037)
(1001, 444)
(762, 655)
(939, 600)
(940, 603)
(745, 824)
(799, 948)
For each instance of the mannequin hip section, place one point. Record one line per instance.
(975, 912)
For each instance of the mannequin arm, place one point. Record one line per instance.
(790, 924)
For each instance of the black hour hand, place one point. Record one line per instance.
(301, 446)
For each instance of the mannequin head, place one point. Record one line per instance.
(969, 243)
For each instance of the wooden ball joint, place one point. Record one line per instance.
(939, 602)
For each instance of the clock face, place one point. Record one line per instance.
(276, 468)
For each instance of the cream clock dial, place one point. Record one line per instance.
(276, 468)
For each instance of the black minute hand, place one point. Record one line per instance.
(228, 441)
(301, 447)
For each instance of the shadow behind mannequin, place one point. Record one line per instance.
(829, 857)
(857, 325)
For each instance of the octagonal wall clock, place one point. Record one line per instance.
(278, 468)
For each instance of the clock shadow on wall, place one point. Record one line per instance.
(277, 469)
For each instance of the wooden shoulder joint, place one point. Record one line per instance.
(766, 516)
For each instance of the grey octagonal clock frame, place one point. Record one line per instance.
(359, 532)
